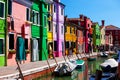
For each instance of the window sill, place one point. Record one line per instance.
(12, 51)
(27, 51)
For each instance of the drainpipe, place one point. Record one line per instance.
(6, 31)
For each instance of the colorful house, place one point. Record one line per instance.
(102, 29)
(80, 47)
(96, 36)
(43, 4)
(2, 32)
(50, 31)
(35, 31)
(58, 28)
(19, 31)
(70, 37)
(87, 24)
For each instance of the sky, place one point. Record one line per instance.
(96, 10)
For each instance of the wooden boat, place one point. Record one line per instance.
(109, 65)
(91, 59)
(64, 69)
(80, 64)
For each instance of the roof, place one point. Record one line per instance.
(111, 27)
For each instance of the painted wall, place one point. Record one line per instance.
(70, 37)
(58, 20)
(43, 30)
(96, 36)
(19, 25)
(2, 36)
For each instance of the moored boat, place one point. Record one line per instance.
(109, 65)
(64, 69)
(80, 64)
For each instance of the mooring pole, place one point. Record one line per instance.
(19, 69)
(47, 61)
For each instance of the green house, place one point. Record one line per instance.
(96, 36)
(2, 32)
(39, 19)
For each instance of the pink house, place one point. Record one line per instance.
(19, 32)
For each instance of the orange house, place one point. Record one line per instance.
(19, 32)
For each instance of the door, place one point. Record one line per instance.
(35, 50)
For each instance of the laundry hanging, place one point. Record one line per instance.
(20, 50)
(35, 53)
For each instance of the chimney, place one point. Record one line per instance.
(65, 18)
(81, 16)
(103, 22)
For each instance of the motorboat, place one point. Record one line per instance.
(109, 65)
(64, 69)
(80, 64)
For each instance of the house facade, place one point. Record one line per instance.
(96, 36)
(50, 31)
(58, 28)
(2, 32)
(87, 24)
(19, 32)
(114, 40)
(102, 29)
(80, 43)
(70, 37)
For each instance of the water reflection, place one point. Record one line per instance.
(90, 68)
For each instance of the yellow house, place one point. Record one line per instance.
(50, 31)
(70, 38)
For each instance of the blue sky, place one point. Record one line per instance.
(96, 10)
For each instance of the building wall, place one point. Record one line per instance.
(2, 36)
(103, 35)
(70, 36)
(96, 37)
(19, 25)
(58, 36)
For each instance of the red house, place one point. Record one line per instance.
(114, 39)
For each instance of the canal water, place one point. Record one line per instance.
(90, 68)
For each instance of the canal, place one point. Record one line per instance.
(90, 68)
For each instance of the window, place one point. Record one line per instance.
(55, 27)
(26, 43)
(45, 21)
(62, 11)
(70, 29)
(67, 44)
(54, 8)
(49, 26)
(65, 29)
(11, 41)
(73, 44)
(1, 46)
(2, 10)
(35, 17)
(55, 45)
(62, 29)
(9, 7)
(48, 7)
(27, 14)
(63, 49)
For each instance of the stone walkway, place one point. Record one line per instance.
(11, 72)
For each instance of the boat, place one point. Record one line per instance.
(103, 54)
(109, 65)
(91, 59)
(64, 69)
(105, 76)
(80, 64)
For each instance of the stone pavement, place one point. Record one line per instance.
(11, 72)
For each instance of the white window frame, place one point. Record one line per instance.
(9, 38)
(35, 21)
(3, 11)
(3, 46)
(29, 14)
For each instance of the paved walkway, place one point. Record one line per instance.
(11, 72)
